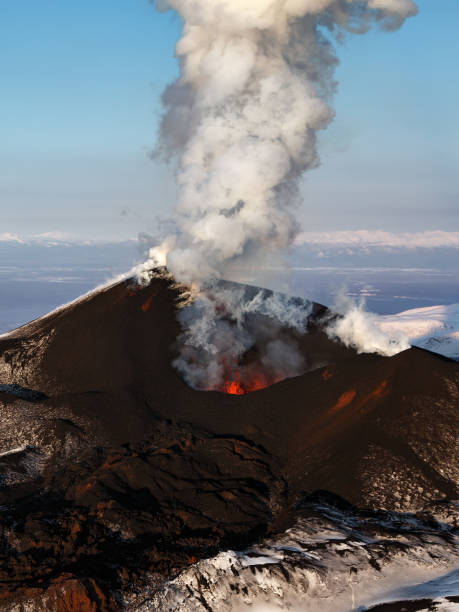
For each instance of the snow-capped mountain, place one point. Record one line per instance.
(435, 328)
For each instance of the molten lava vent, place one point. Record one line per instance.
(246, 379)
(239, 340)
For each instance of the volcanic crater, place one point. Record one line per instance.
(113, 468)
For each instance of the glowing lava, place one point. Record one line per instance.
(257, 382)
(251, 381)
(233, 388)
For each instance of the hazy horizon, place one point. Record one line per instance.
(43, 273)
(82, 87)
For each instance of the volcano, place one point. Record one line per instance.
(113, 468)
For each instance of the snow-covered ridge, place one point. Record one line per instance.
(435, 328)
(330, 560)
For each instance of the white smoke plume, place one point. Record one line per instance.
(242, 118)
(362, 330)
(222, 326)
(241, 122)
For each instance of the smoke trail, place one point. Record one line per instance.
(362, 330)
(241, 121)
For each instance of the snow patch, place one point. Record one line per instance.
(435, 328)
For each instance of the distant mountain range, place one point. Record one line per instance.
(355, 239)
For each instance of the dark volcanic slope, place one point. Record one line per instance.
(112, 465)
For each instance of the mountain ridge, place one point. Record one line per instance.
(138, 472)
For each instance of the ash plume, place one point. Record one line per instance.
(241, 122)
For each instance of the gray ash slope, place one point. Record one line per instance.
(115, 473)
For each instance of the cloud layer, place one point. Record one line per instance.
(363, 239)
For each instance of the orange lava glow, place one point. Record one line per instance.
(233, 387)
(349, 396)
(249, 382)
(256, 383)
(146, 305)
(344, 400)
(379, 392)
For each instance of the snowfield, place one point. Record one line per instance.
(435, 328)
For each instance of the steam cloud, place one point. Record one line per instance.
(241, 123)
(361, 330)
(224, 323)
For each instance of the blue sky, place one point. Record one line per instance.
(80, 102)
